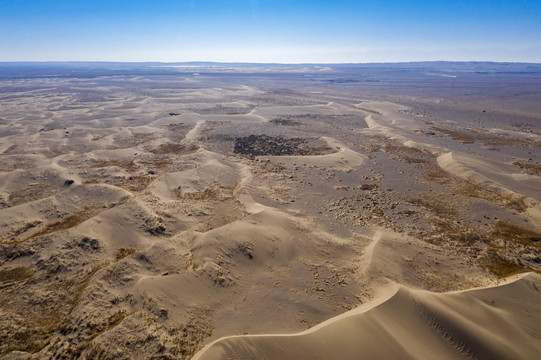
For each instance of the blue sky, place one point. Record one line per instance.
(291, 31)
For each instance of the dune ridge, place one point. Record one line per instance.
(489, 323)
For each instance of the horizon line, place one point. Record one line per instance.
(264, 63)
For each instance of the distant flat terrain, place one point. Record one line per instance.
(223, 211)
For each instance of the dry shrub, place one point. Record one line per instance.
(436, 206)
(413, 160)
(123, 164)
(437, 176)
(490, 140)
(512, 202)
(124, 252)
(30, 193)
(19, 273)
(215, 191)
(134, 183)
(515, 233)
(69, 221)
(503, 267)
(461, 137)
(368, 187)
(401, 149)
(175, 148)
(528, 168)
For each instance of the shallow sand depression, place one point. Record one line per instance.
(267, 216)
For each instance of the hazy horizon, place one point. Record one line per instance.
(202, 63)
(263, 31)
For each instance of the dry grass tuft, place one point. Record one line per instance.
(123, 164)
(414, 160)
(402, 149)
(368, 187)
(19, 273)
(64, 224)
(174, 148)
(69, 221)
(84, 285)
(461, 234)
(528, 168)
(215, 191)
(502, 267)
(45, 318)
(515, 233)
(134, 183)
(124, 252)
(505, 200)
(96, 329)
(437, 176)
(461, 137)
(30, 193)
(436, 206)
(469, 136)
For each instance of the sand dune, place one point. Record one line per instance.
(397, 258)
(491, 174)
(395, 129)
(343, 159)
(212, 169)
(244, 215)
(489, 323)
(497, 176)
(30, 218)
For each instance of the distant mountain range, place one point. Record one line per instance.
(26, 69)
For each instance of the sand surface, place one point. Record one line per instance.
(240, 214)
(491, 323)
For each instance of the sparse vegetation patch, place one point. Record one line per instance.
(512, 232)
(257, 145)
(528, 168)
(437, 176)
(124, 252)
(215, 191)
(175, 148)
(503, 267)
(19, 273)
(512, 202)
(30, 193)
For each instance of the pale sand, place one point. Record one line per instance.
(167, 242)
(490, 323)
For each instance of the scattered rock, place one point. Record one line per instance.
(258, 145)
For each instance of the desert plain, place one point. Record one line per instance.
(245, 211)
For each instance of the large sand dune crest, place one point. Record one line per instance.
(489, 323)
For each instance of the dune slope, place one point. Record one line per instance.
(493, 323)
